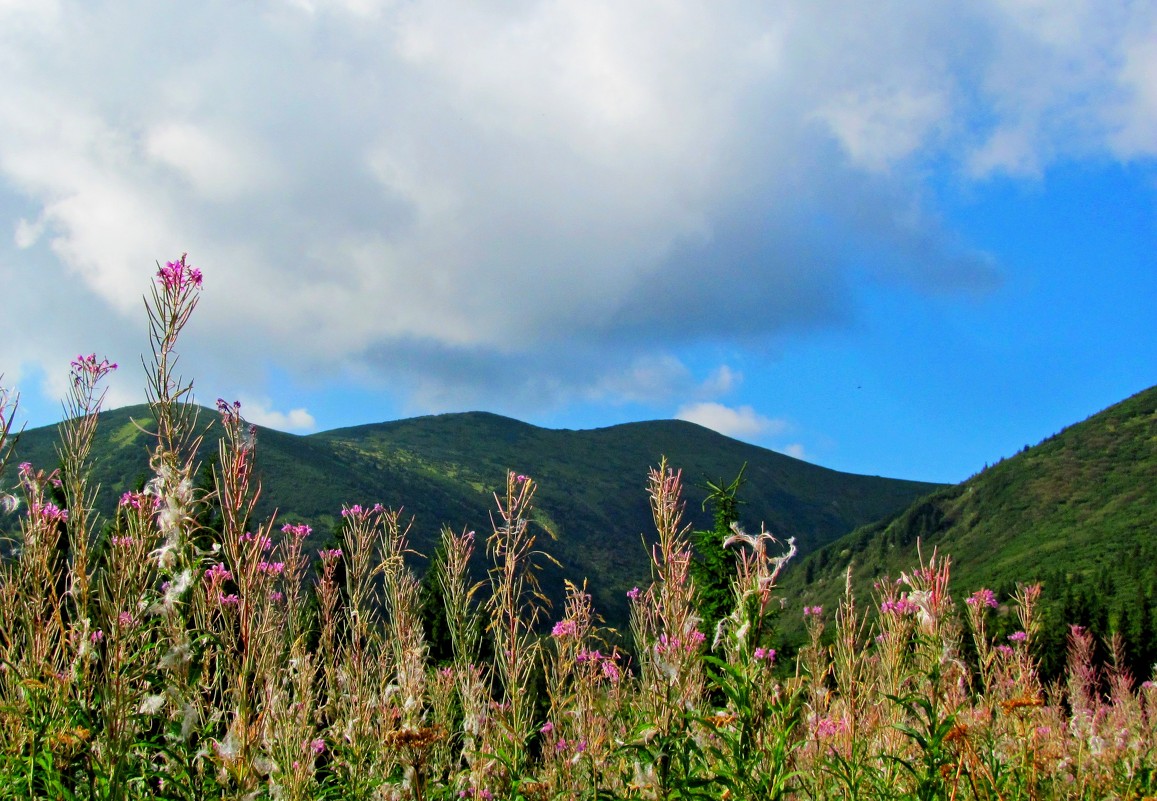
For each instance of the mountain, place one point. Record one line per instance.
(1078, 512)
(444, 469)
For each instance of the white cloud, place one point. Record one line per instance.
(741, 422)
(568, 191)
(260, 412)
(794, 450)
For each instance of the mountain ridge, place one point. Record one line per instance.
(444, 469)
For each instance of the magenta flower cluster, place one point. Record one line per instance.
(177, 276)
(357, 511)
(298, 531)
(668, 644)
(980, 598)
(89, 370)
(138, 500)
(899, 607)
(564, 628)
(263, 542)
(49, 512)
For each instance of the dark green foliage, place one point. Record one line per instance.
(434, 610)
(714, 567)
(444, 470)
(1077, 513)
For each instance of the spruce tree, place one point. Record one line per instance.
(714, 566)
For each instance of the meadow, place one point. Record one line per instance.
(157, 656)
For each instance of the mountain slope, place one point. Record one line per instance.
(1079, 510)
(444, 470)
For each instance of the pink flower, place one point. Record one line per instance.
(547, 727)
(96, 636)
(263, 542)
(813, 611)
(765, 654)
(217, 573)
(50, 512)
(300, 532)
(982, 597)
(633, 593)
(88, 370)
(564, 628)
(126, 619)
(177, 276)
(899, 607)
(1018, 636)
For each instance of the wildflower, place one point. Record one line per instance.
(96, 636)
(300, 532)
(547, 727)
(812, 611)
(263, 542)
(898, 607)
(1018, 636)
(765, 654)
(982, 597)
(564, 628)
(633, 593)
(217, 573)
(89, 370)
(316, 746)
(330, 555)
(49, 512)
(126, 619)
(176, 276)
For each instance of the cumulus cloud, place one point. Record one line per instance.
(549, 197)
(794, 449)
(260, 412)
(741, 422)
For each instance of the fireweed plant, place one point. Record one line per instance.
(154, 656)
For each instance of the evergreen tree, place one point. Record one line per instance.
(434, 610)
(714, 566)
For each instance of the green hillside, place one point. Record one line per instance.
(1077, 512)
(444, 470)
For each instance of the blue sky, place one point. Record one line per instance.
(897, 239)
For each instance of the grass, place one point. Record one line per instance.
(196, 649)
